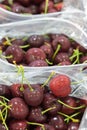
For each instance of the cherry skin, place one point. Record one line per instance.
(50, 101)
(60, 85)
(46, 126)
(19, 109)
(18, 125)
(38, 63)
(33, 97)
(73, 126)
(71, 102)
(36, 115)
(58, 122)
(16, 52)
(34, 54)
(35, 40)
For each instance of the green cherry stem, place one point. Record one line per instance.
(4, 98)
(10, 2)
(24, 46)
(75, 114)
(46, 6)
(56, 51)
(6, 57)
(75, 108)
(8, 8)
(69, 117)
(45, 111)
(76, 55)
(37, 124)
(48, 79)
(3, 120)
(48, 62)
(31, 89)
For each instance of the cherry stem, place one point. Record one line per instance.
(46, 82)
(69, 117)
(30, 87)
(37, 124)
(45, 111)
(73, 115)
(6, 57)
(10, 2)
(76, 54)
(56, 51)
(46, 6)
(74, 83)
(25, 38)
(25, 46)
(3, 121)
(50, 63)
(8, 41)
(8, 8)
(74, 108)
(4, 98)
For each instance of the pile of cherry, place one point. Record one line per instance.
(32, 6)
(38, 107)
(43, 50)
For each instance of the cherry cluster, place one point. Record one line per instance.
(43, 50)
(38, 107)
(32, 7)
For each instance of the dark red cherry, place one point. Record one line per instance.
(18, 125)
(17, 8)
(34, 54)
(46, 126)
(83, 59)
(50, 101)
(16, 52)
(34, 9)
(60, 57)
(19, 109)
(71, 102)
(38, 63)
(63, 41)
(2, 127)
(33, 97)
(73, 126)
(36, 40)
(58, 122)
(36, 115)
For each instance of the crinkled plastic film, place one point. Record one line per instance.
(78, 84)
(44, 26)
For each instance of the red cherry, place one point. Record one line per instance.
(60, 85)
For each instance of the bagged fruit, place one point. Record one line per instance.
(28, 9)
(42, 101)
(43, 45)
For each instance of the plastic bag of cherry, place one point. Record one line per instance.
(48, 101)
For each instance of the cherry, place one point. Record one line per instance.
(17, 8)
(2, 127)
(60, 57)
(19, 109)
(73, 126)
(50, 101)
(4, 90)
(36, 115)
(52, 10)
(83, 59)
(63, 41)
(63, 63)
(58, 122)
(16, 52)
(34, 54)
(36, 40)
(18, 42)
(38, 63)
(33, 95)
(18, 125)
(46, 126)
(24, 2)
(17, 89)
(60, 85)
(47, 48)
(37, 1)
(71, 102)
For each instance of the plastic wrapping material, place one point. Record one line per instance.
(83, 125)
(44, 26)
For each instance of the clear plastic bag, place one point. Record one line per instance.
(44, 26)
